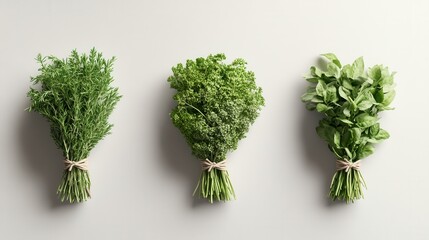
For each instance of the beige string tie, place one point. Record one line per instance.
(81, 164)
(347, 165)
(209, 165)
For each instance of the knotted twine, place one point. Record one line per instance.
(209, 165)
(347, 165)
(81, 164)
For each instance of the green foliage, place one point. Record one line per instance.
(75, 96)
(350, 100)
(216, 104)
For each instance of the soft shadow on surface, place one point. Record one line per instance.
(175, 152)
(40, 155)
(317, 154)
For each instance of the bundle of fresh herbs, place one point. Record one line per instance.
(76, 97)
(350, 99)
(216, 104)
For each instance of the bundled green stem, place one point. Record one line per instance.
(215, 185)
(75, 96)
(75, 186)
(347, 185)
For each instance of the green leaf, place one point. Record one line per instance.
(343, 92)
(321, 88)
(353, 105)
(373, 140)
(322, 107)
(312, 79)
(316, 72)
(358, 68)
(348, 122)
(382, 134)
(356, 133)
(374, 130)
(333, 70)
(310, 106)
(331, 93)
(347, 72)
(331, 57)
(346, 139)
(317, 99)
(364, 120)
(337, 139)
(322, 132)
(388, 98)
(386, 79)
(346, 112)
(326, 132)
(375, 73)
(365, 151)
(364, 105)
(347, 84)
(370, 97)
(308, 96)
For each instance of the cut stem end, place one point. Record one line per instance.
(75, 186)
(347, 186)
(215, 185)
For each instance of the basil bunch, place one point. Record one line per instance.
(216, 104)
(350, 100)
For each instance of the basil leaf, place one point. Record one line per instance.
(374, 130)
(322, 107)
(331, 57)
(382, 134)
(337, 139)
(356, 133)
(321, 88)
(333, 70)
(358, 68)
(388, 98)
(315, 72)
(365, 151)
(347, 84)
(364, 120)
(308, 96)
(343, 92)
(364, 105)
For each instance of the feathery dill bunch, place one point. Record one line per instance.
(216, 104)
(349, 99)
(75, 96)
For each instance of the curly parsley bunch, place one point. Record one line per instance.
(350, 99)
(76, 97)
(216, 104)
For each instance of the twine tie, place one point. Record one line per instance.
(81, 164)
(347, 165)
(209, 165)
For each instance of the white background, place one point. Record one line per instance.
(143, 174)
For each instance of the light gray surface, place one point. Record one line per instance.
(143, 174)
